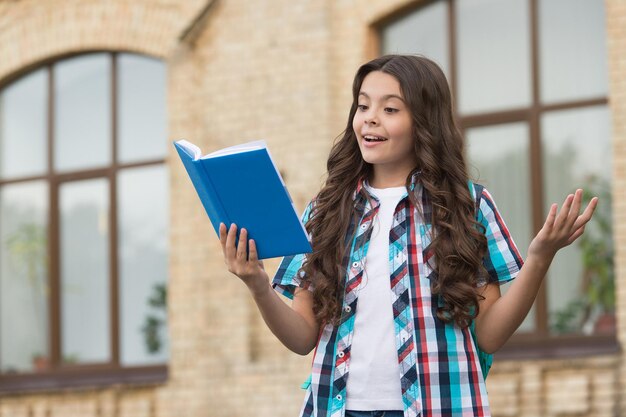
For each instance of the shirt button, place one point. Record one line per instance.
(355, 264)
(338, 397)
(347, 309)
(363, 226)
(341, 354)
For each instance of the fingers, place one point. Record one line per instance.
(223, 232)
(575, 208)
(576, 235)
(562, 217)
(230, 250)
(568, 223)
(242, 247)
(551, 217)
(568, 217)
(586, 216)
(235, 253)
(253, 256)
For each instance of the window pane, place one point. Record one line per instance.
(142, 115)
(573, 52)
(576, 147)
(424, 31)
(23, 277)
(494, 55)
(499, 157)
(85, 271)
(143, 249)
(23, 126)
(82, 112)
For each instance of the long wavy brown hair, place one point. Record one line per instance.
(457, 242)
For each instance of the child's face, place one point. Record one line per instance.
(382, 124)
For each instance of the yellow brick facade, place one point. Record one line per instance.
(616, 33)
(280, 70)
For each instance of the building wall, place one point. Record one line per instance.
(33, 31)
(279, 70)
(616, 32)
(255, 73)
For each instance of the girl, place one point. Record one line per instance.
(401, 295)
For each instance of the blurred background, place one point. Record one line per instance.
(114, 299)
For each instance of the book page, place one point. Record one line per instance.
(190, 148)
(244, 147)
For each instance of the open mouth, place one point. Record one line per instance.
(372, 138)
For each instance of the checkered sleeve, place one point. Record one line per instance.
(502, 260)
(289, 275)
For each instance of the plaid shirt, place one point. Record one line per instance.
(439, 362)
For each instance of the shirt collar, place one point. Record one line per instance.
(360, 192)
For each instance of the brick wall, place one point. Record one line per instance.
(616, 32)
(257, 73)
(281, 70)
(32, 32)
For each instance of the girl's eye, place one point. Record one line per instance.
(362, 107)
(390, 110)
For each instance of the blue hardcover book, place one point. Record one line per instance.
(241, 185)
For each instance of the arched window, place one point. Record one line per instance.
(83, 217)
(530, 80)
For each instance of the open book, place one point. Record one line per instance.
(241, 185)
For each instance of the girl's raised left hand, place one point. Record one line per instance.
(500, 316)
(562, 229)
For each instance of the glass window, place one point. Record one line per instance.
(528, 152)
(576, 153)
(23, 277)
(143, 264)
(82, 112)
(423, 33)
(573, 50)
(23, 126)
(494, 71)
(142, 115)
(83, 268)
(499, 158)
(84, 207)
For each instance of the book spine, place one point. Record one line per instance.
(204, 187)
(214, 207)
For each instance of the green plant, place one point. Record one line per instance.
(153, 323)
(598, 250)
(27, 248)
(568, 319)
(71, 358)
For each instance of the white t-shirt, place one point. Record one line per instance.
(374, 374)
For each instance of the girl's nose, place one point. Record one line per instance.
(371, 120)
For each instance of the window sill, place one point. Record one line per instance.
(80, 378)
(529, 347)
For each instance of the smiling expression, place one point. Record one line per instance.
(383, 127)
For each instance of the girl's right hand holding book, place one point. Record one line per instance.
(295, 326)
(246, 266)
